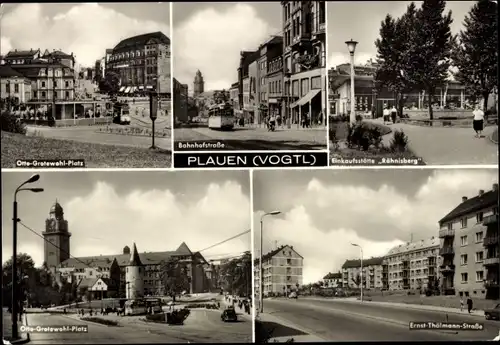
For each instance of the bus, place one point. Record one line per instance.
(121, 113)
(135, 307)
(155, 304)
(221, 116)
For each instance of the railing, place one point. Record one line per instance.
(490, 240)
(489, 220)
(446, 251)
(446, 233)
(448, 268)
(492, 261)
(491, 284)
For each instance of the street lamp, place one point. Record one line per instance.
(361, 274)
(261, 285)
(32, 179)
(351, 46)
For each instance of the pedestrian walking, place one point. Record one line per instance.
(386, 114)
(478, 122)
(461, 303)
(394, 114)
(469, 304)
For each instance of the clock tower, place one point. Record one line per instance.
(56, 235)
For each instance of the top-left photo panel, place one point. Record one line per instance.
(86, 85)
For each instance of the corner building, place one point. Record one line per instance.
(469, 247)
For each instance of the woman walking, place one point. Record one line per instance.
(478, 122)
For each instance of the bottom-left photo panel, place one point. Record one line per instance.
(106, 257)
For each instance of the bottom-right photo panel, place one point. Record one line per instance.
(376, 255)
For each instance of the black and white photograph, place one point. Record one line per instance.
(86, 85)
(413, 83)
(376, 255)
(127, 257)
(249, 76)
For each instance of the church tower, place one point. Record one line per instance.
(199, 84)
(134, 276)
(56, 235)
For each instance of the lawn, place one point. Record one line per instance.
(340, 129)
(17, 146)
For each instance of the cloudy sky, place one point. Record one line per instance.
(361, 22)
(109, 210)
(209, 36)
(324, 211)
(86, 29)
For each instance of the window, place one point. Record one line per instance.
(479, 276)
(479, 256)
(66, 83)
(479, 217)
(463, 240)
(463, 259)
(465, 277)
(450, 226)
(55, 83)
(16, 88)
(43, 94)
(479, 236)
(464, 222)
(43, 84)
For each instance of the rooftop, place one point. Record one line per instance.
(366, 262)
(141, 40)
(333, 276)
(7, 71)
(471, 205)
(412, 246)
(15, 54)
(276, 251)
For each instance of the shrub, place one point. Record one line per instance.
(101, 321)
(359, 118)
(399, 142)
(10, 123)
(177, 317)
(363, 136)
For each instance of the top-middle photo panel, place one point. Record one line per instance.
(249, 76)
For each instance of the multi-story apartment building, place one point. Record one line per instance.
(371, 275)
(332, 280)
(247, 58)
(14, 84)
(470, 247)
(282, 271)
(137, 60)
(413, 265)
(233, 96)
(304, 55)
(163, 71)
(22, 57)
(180, 102)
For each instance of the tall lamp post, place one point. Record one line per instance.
(361, 274)
(351, 46)
(261, 270)
(15, 219)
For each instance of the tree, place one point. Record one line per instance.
(110, 84)
(357, 280)
(236, 275)
(393, 55)
(175, 277)
(431, 49)
(475, 52)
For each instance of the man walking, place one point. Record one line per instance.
(469, 304)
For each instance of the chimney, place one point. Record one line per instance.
(481, 192)
(495, 187)
(464, 199)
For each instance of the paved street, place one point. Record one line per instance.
(202, 326)
(448, 146)
(246, 138)
(336, 320)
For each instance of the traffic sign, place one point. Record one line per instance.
(153, 106)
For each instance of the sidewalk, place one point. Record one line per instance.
(239, 311)
(24, 337)
(295, 332)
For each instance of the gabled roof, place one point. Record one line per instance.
(276, 251)
(333, 276)
(366, 262)
(16, 54)
(57, 53)
(471, 205)
(411, 246)
(7, 71)
(141, 40)
(87, 282)
(183, 250)
(135, 259)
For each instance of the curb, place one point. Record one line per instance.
(285, 323)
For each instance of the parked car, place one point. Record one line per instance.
(229, 315)
(492, 314)
(293, 295)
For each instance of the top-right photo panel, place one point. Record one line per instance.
(413, 83)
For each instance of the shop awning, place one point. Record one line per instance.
(127, 90)
(132, 89)
(307, 98)
(149, 87)
(141, 87)
(122, 88)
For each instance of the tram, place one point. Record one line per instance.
(221, 116)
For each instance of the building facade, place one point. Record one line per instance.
(233, 96)
(282, 271)
(247, 58)
(413, 265)
(276, 103)
(304, 56)
(198, 84)
(139, 60)
(371, 276)
(469, 247)
(164, 74)
(332, 280)
(56, 237)
(14, 84)
(180, 102)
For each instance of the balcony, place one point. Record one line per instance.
(446, 251)
(319, 29)
(491, 261)
(491, 284)
(300, 40)
(490, 240)
(446, 233)
(490, 220)
(448, 268)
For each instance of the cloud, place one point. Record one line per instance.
(211, 41)
(86, 29)
(327, 218)
(103, 222)
(341, 58)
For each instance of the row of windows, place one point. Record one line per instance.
(7, 88)
(43, 94)
(275, 87)
(414, 255)
(479, 219)
(465, 277)
(132, 54)
(67, 84)
(306, 84)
